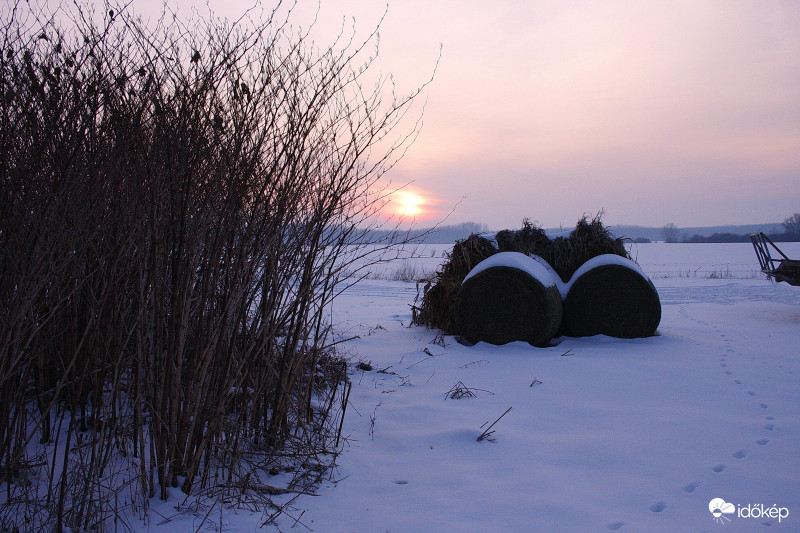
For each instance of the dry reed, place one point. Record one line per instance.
(177, 204)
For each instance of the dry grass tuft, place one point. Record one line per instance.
(530, 239)
(589, 239)
(565, 254)
(439, 292)
(459, 391)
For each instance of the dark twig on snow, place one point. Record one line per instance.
(487, 432)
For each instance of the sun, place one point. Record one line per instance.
(408, 204)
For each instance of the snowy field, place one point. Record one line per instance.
(602, 434)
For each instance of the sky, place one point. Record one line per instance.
(684, 112)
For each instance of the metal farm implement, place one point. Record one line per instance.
(779, 269)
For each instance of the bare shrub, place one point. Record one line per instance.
(177, 208)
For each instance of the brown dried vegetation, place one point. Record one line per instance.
(177, 203)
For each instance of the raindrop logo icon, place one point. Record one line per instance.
(719, 508)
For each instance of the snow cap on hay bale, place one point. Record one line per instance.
(611, 295)
(439, 292)
(508, 297)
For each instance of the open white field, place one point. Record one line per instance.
(603, 434)
(659, 260)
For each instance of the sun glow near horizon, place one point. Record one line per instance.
(564, 108)
(411, 204)
(407, 204)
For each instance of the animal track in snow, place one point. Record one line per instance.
(718, 468)
(741, 454)
(763, 405)
(658, 507)
(762, 442)
(769, 427)
(691, 487)
(615, 526)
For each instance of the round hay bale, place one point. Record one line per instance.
(611, 295)
(508, 297)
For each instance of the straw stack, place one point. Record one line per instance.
(435, 310)
(509, 302)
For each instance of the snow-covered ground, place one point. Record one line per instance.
(602, 434)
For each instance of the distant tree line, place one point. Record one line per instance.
(456, 232)
(719, 237)
(436, 235)
(448, 234)
(792, 225)
(735, 237)
(671, 233)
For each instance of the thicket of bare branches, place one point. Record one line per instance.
(177, 204)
